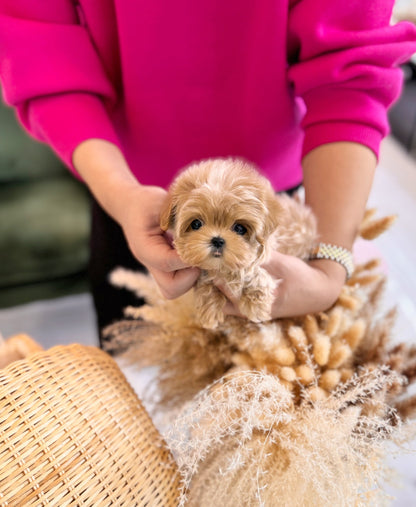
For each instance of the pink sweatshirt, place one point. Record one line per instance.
(171, 82)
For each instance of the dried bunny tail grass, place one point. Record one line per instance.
(373, 346)
(188, 360)
(172, 314)
(376, 293)
(371, 229)
(300, 343)
(350, 299)
(355, 333)
(369, 214)
(324, 453)
(364, 280)
(124, 334)
(311, 326)
(316, 351)
(406, 408)
(165, 335)
(370, 265)
(141, 284)
(402, 358)
(340, 355)
(334, 322)
(362, 387)
(409, 371)
(321, 349)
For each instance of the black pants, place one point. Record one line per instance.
(109, 250)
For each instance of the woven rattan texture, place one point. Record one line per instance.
(73, 432)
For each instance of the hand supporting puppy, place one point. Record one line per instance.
(151, 246)
(305, 287)
(137, 209)
(337, 181)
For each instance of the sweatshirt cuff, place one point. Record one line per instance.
(65, 120)
(332, 132)
(344, 114)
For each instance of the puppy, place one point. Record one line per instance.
(225, 219)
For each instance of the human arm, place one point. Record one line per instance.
(61, 88)
(346, 71)
(337, 179)
(344, 61)
(52, 75)
(137, 209)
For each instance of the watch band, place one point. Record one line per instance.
(334, 253)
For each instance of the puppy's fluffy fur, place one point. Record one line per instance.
(225, 219)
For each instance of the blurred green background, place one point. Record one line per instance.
(44, 220)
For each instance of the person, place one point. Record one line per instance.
(128, 93)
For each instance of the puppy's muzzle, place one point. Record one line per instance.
(217, 246)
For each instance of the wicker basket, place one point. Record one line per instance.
(73, 432)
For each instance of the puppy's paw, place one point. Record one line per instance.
(210, 314)
(209, 304)
(258, 296)
(210, 320)
(255, 308)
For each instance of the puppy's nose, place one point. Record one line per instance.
(218, 242)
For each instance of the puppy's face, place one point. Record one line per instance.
(222, 212)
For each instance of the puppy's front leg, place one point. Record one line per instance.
(257, 296)
(209, 303)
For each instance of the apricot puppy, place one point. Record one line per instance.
(223, 215)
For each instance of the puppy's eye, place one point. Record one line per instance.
(239, 229)
(196, 224)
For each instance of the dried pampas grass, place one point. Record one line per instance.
(313, 353)
(251, 445)
(286, 412)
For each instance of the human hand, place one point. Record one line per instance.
(137, 209)
(152, 246)
(304, 287)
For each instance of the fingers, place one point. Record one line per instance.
(159, 255)
(173, 276)
(231, 307)
(169, 260)
(152, 246)
(176, 283)
(223, 287)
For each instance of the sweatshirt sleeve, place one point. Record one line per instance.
(344, 62)
(51, 73)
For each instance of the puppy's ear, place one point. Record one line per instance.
(274, 209)
(167, 216)
(178, 193)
